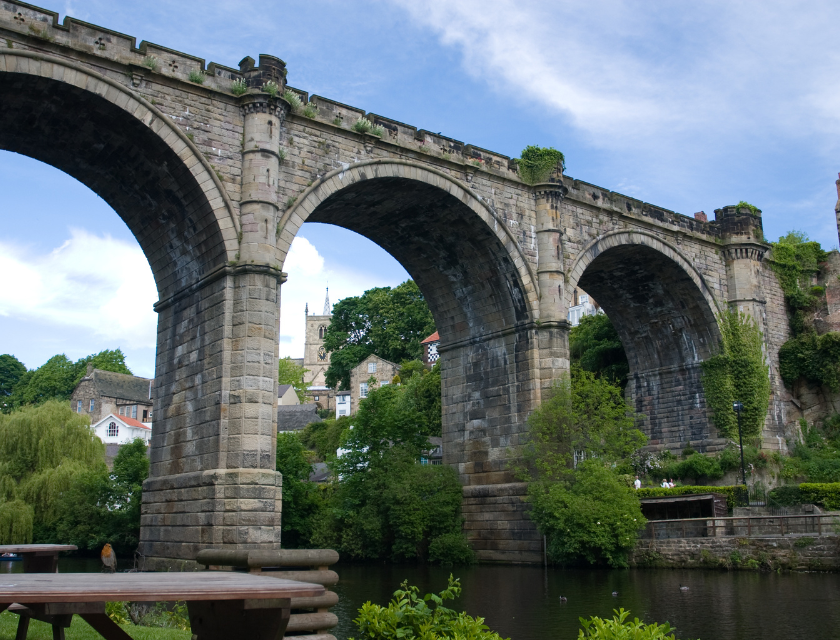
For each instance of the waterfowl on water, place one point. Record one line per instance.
(682, 588)
(615, 594)
(563, 598)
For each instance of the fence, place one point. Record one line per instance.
(742, 527)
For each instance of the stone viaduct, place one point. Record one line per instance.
(215, 183)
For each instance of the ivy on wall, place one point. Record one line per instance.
(537, 163)
(737, 374)
(816, 358)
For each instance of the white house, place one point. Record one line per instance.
(113, 429)
(342, 404)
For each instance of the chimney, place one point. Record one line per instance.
(702, 217)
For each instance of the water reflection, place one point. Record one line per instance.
(523, 603)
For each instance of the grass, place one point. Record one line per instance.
(81, 630)
(196, 77)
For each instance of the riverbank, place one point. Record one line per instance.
(770, 553)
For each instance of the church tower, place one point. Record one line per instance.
(315, 357)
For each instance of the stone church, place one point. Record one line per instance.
(316, 358)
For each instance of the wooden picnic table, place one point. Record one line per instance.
(38, 558)
(222, 605)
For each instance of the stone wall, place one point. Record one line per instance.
(794, 553)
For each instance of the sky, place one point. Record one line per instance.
(690, 106)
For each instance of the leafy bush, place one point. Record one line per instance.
(595, 346)
(301, 498)
(826, 495)
(812, 357)
(310, 110)
(619, 628)
(537, 163)
(288, 95)
(595, 517)
(784, 496)
(410, 617)
(696, 467)
(197, 77)
(150, 62)
(451, 548)
(362, 125)
(238, 87)
(732, 493)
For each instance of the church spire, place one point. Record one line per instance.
(327, 310)
(306, 311)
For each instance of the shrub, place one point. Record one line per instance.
(619, 628)
(410, 617)
(826, 495)
(238, 87)
(451, 548)
(150, 62)
(197, 77)
(362, 125)
(537, 163)
(732, 493)
(784, 496)
(310, 110)
(595, 517)
(288, 95)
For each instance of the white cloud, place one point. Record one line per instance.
(97, 283)
(635, 73)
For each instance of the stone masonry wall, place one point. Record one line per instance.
(795, 553)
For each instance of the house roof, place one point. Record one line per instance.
(373, 356)
(435, 337)
(294, 417)
(121, 386)
(128, 422)
(282, 389)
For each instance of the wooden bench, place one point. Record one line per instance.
(309, 615)
(221, 605)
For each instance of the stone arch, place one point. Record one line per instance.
(665, 313)
(126, 151)
(479, 286)
(404, 175)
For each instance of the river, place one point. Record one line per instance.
(523, 603)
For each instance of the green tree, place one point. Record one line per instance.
(300, 497)
(583, 414)
(43, 449)
(592, 516)
(289, 372)
(737, 373)
(390, 323)
(325, 437)
(594, 346)
(11, 370)
(58, 376)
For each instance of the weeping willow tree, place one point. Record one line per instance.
(42, 450)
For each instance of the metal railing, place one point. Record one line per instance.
(742, 527)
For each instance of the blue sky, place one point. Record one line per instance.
(690, 106)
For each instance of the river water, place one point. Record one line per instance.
(523, 603)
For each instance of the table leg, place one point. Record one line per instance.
(58, 632)
(34, 563)
(104, 626)
(23, 628)
(226, 619)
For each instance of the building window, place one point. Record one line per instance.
(433, 352)
(92, 403)
(371, 367)
(363, 390)
(342, 412)
(79, 406)
(134, 412)
(384, 383)
(321, 333)
(317, 398)
(113, 430)
(120, 410)
(145, 415)
(150, 414)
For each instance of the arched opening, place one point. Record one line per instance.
(478, 290)
(111, 141)
(665, 317)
